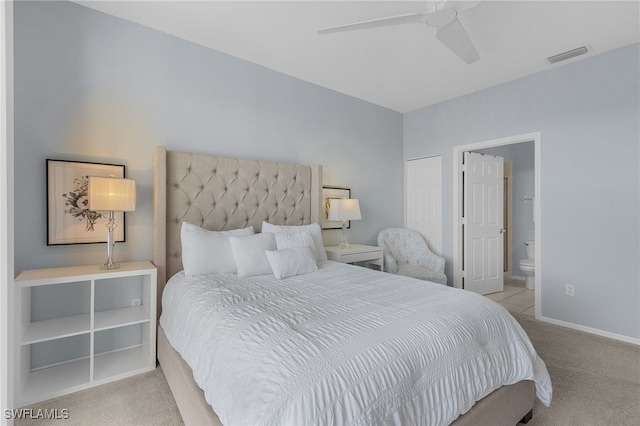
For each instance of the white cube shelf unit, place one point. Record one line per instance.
(82, 326)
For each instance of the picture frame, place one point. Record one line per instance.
(328, 193)
(69, 220)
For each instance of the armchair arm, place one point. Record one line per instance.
(390, 264)
(439, 262)
(434, 262)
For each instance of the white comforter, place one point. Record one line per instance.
(344, 345)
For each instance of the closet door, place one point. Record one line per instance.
(423, 208)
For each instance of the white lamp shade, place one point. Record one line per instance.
(112, 194)
(344, 209)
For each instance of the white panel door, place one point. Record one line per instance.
(483, 266)
(424, 200)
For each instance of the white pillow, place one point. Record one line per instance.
(313, 228)
(205, 252)
(250, 254)
(300, 239)
(292, 261)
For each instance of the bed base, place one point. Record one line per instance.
(506, 406)
(193, 407)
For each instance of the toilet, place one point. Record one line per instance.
(528, 265)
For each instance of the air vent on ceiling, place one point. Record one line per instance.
(568, 55)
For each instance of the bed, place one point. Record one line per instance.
(312, 318)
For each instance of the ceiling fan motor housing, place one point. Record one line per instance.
(441, 17)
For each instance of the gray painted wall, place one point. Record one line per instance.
(587, 112)
(521, 156)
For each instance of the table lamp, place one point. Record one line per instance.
(344, 209)
(111, 195)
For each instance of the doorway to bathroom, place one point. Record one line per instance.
(523, 151)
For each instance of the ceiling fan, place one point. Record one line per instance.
(442, 15)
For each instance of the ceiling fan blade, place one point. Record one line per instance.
(374, 23)
(456, 39)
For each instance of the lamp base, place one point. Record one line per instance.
(111, 226)
(344, 244)
(110, 264)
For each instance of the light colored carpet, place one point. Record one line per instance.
(596, 381)
(144, 399)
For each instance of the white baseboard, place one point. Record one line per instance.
(518, 277)
(590, 330)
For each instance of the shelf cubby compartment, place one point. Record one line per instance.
(55, 311)
(57, 380)
(54, 367)
(122, 350)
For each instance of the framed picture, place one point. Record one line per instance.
(69, 220)
(329, 192)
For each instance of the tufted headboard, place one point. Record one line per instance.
(220, 193)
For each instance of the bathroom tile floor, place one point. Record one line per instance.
(515, 297)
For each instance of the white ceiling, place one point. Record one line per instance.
(400, 67)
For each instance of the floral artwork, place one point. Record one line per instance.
(69, 220)
(77, 201)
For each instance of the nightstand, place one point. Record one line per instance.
(356, 253)
(80, 326)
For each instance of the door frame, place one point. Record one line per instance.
(457, 205)
(508, 218)
(6, 210)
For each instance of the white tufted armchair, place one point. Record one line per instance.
(406, 253)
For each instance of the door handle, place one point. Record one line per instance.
(502, 231)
